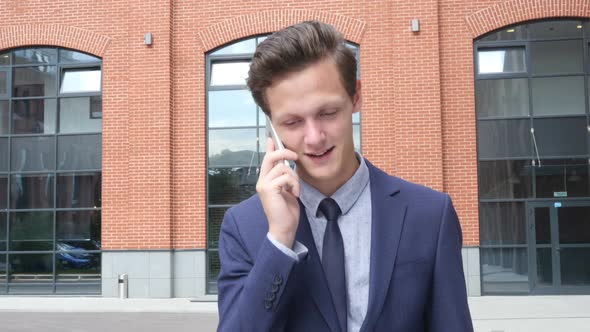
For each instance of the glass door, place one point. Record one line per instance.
(559, 247)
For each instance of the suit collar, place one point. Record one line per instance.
(388, 213)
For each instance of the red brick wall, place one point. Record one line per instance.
(418, 117)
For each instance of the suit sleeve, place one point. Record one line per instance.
(448, 309)
(251, 290)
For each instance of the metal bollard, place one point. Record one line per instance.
(123, 286)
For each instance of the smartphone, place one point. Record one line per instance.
(272, 133)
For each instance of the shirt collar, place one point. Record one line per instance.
(345, 196)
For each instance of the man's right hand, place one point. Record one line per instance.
(278, 188)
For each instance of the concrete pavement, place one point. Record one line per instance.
(94, 314)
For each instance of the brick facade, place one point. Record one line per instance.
(418, 117)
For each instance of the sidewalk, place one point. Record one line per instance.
(490, 313)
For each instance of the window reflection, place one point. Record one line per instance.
(231, 185)
(228, 108)
(31, 231)
(505, 179)
(79, 190)
(79, 152)
(36, 116)
(34, 81)
(33, 154)
(79, 80)
(229, 73)
(31, 191)
(567, 177)
(232, 147)
(504, 270)
(510, 60)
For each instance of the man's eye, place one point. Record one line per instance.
(328, 114)
(291, 123)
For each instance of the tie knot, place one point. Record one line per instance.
(330, 209)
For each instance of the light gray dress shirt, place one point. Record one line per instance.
(354, 199)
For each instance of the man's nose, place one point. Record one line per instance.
(314, 133)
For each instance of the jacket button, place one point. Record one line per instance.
(270, 297)
(278, 280)
(267, 305)
(274, 288)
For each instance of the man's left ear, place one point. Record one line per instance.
(358, 99)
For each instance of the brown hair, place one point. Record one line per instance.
(294, 48)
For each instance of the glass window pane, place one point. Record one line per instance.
(511, 33)
(231, 108)
(232, 147)
(542, 225)
(31, 231)
(3, 234)
(26, 268)
(4, 125)
(35, 116)
(241, 47)
(79, 190)
(356, 117)
(3, 82)
(79, 228)
(31, 191)
(505, 98)
(34, 81)
(561, 136)
(79, 152)
(78, 80)
(35, 55)
(573, 271)
(356, 134)
(231, 185)
(557, 57)
(3, 192)
(555, 29)
(574, 225)
(33, 154)
(4, 154)
(502, 223)
(504, 138)
(3, 271)
(80, 115)
(214, 225)
(496, 61)
(261, 39)
(69, 56)
(544, 268)
(76, 265)
(5, 58)
(505, 179)
(504, 270)
(558, 95)
(558, 176)
(229, 73)
(214, 269)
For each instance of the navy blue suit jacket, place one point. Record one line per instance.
(416, 273)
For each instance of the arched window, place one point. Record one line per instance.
(50, 171)
(236, 129)
(533, 156)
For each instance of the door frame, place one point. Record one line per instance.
(557, 287)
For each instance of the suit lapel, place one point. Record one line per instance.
(313, 273)
(388, 212)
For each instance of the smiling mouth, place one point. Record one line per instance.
(320, 154)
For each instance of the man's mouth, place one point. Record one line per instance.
(320, 153)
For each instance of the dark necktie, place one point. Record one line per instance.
(333, 259)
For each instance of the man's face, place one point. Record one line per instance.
(312, 114)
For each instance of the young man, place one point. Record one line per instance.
(336, 244)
